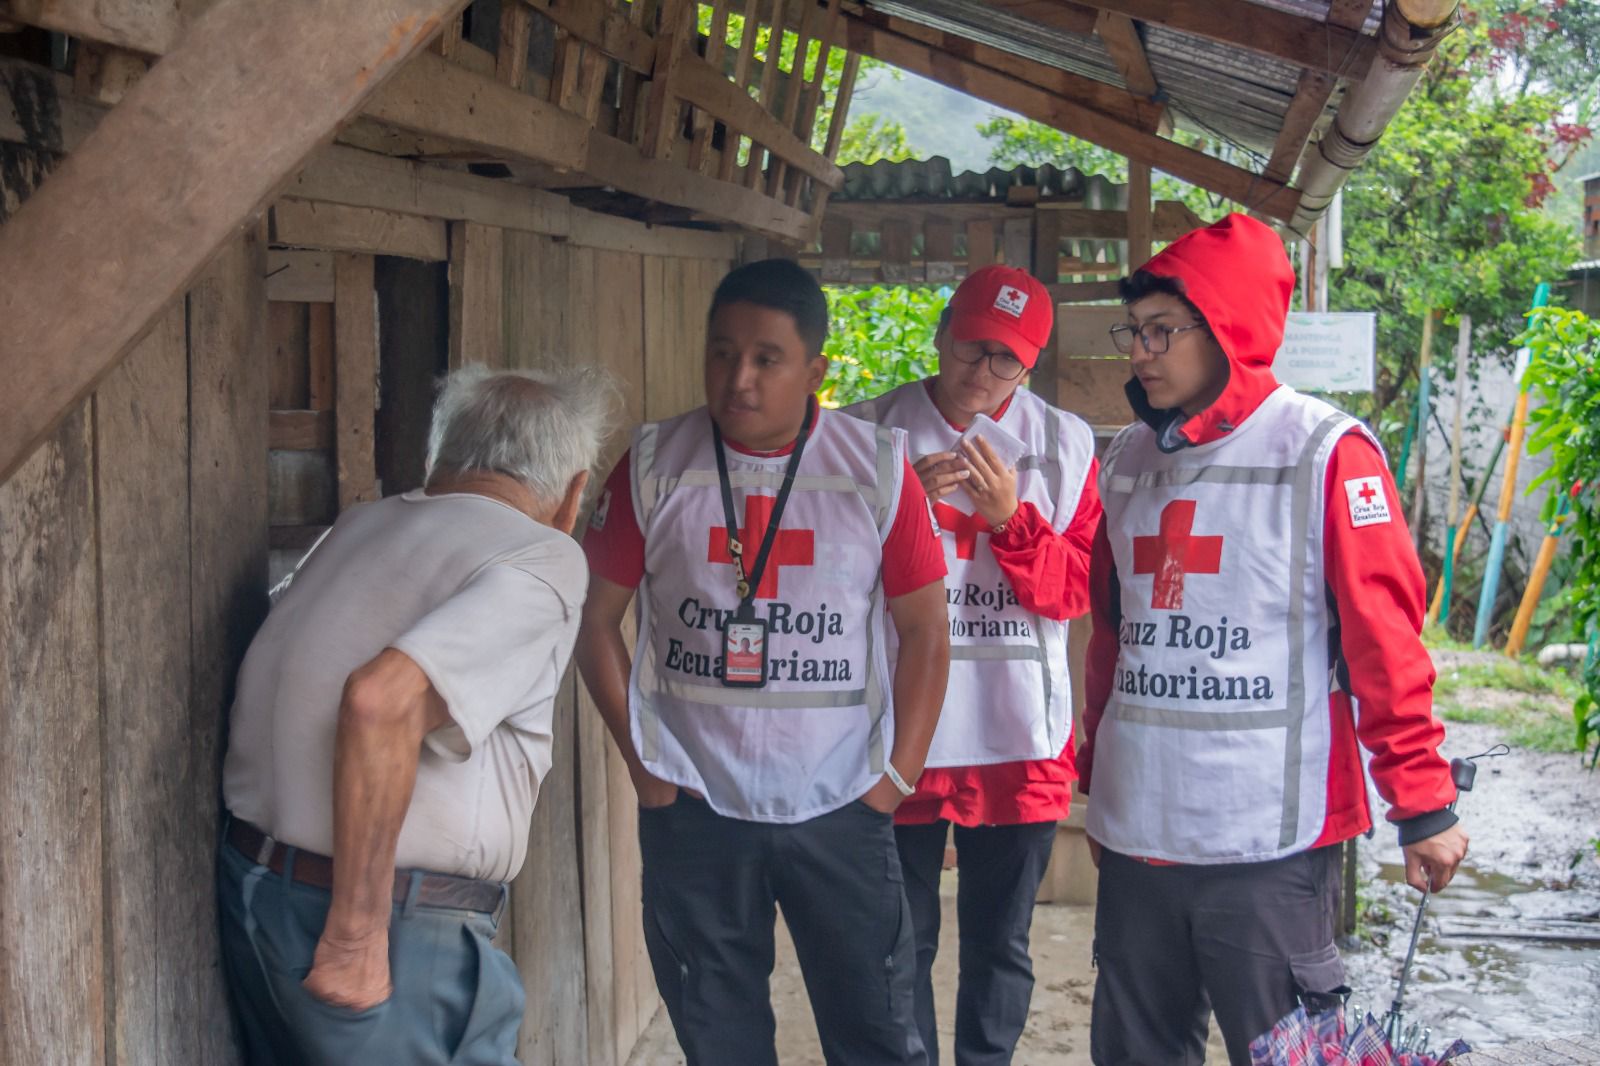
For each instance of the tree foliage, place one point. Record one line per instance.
(879, 337)
(1564, 372)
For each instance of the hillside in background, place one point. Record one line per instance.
(938, 120)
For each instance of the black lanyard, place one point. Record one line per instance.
(748, 583)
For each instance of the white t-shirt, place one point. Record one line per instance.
(487, 602)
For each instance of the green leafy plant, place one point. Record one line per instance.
(1565, 374)
(880, 337)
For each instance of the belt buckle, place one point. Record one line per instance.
(264, 852)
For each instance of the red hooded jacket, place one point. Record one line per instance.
(1237, 275)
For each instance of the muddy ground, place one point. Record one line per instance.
(1528, 815)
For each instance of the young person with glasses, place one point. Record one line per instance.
(1257, 611)
(1016, 539)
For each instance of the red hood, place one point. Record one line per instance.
(1237, 273)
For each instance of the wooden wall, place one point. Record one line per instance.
(134, 567)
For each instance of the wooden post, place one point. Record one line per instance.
(836, 233)
(197, 145)
(1046, 267)
(661, 114)
(355, 324)
(741, 78)
(477, 295)
(980, 245)
(703, 122)
(769, 85)
(1140, 216)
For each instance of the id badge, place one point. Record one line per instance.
(744, 654)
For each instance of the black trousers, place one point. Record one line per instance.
(711, 885)
(1245, 940)
(1001, 868)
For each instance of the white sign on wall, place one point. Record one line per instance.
(1331, 351)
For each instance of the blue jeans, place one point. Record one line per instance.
(457, 998)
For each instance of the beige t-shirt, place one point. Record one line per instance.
(487, 602)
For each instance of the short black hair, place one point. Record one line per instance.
(1142, 283)
(781, 285)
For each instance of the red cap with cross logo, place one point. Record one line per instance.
(1002, 303)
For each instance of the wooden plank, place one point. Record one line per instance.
(287, 345)
(477, 291)
(105, 73)
(355, 377)
(156, 954)
(348, 175)
(793, 89)
(836, 233)
(1084, 291)
(663, 110)
(148, 26)
(319, 357)
(595, 24)
(1057, 14)
(980, 245)
(716, 44)
(299, 276)
(1141, 220)
(640, 14)
(516, 26)
(704, 86)
(41, 109)
(1016, 242)
(539, 308)
(895, 252)
(740, 77)
(335, 227)
(200, 143)
(1305, 109)
(431, 95)
(547, 936)
(1296, 39)
(227, 563)
(52, 993)
(770, 60)
(300, 430)
(1122, 40)
(1046, 267)
(893, 38)
(1256, 193)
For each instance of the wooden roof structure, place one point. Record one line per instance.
(617, 105)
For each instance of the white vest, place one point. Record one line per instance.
(1215, 742)
(815, 737)
(1009, 697)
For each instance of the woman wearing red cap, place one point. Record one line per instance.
(1017, 537)
(1253, 583)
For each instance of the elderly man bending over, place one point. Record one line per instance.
(392, 726)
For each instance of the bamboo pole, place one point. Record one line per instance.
(1541, 570)
(1417, 427)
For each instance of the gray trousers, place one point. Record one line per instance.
(1247, 941)
(711, 886)
(457, 998)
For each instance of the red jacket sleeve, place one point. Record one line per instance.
(912, 553)
(1100, 663)
(1378, 590)
(613, 543)
(1049, 571)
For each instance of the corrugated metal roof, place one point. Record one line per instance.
(1211, 88)
(931, 180)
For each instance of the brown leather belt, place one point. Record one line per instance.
(433, 890)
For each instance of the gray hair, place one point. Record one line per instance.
(541, 427)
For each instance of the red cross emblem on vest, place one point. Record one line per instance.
(961, 525)
(791, 547)
(1367, 493)
(1173, 553)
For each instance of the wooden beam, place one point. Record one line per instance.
(1122, 40)
(919, 48)
(607, 30)
(1057, 14)
(148, 26)
(716, 44)
(1256, 193)
(661, 127)
(1140, 218)
(334, 227)
(794, 88)
(741, 78)
(196, 147)
(516, 27)
(299, 277)
(1296, 39)
(432, 95)
(1310, 97)
(704, 86)
(769, 80)
(300, 431)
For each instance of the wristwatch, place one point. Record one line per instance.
(899, 782)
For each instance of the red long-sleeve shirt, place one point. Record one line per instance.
(1378, 591)
(1049, 572)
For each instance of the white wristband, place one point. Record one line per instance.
(894, 776)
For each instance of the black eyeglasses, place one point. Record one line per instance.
(1002, 364)
(1155, 337)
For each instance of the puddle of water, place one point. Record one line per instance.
(1489, 990)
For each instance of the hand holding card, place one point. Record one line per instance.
(1010, 448)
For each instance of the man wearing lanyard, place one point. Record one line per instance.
(767, 738)
(1016, 500)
